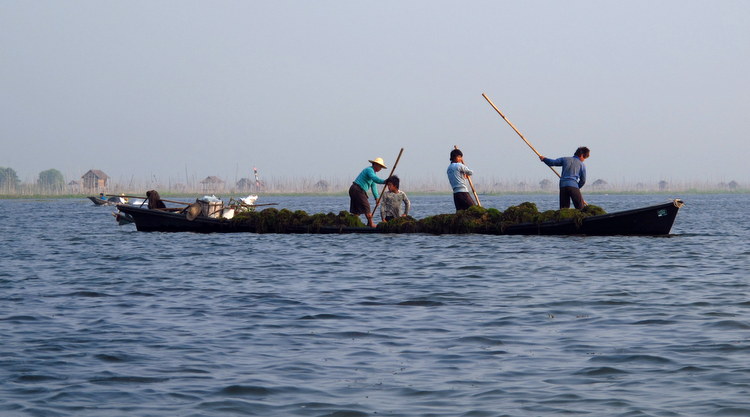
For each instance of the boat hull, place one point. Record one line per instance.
(110, 202)
(100, 202)
(647, 221)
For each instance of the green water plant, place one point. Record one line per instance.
(473, 220)
(488, 220)
(272, 220)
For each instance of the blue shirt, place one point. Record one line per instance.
(457, 176)
(367, 179)
(573, 170)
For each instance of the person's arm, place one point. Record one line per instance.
(407, 204)
(466, 171)
(382, 208)
(374, 178)
(582, 176)
(551, 162)
(374, 189)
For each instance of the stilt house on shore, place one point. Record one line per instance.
(212, 184)
(95, 180)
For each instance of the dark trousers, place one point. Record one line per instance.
(462, 201)
(358, 201)
(571, 193)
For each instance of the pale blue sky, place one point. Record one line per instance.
(657, 89)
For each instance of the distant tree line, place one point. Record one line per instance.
(9, 181)
(50, 181)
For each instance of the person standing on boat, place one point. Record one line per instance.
(393, 199)
(572, 178)
(358, 201)
(457, 174)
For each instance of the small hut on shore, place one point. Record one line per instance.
(95, 180)
(244, 185)
(599, 184)
(212, 184)
(322, 186)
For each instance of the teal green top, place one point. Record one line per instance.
(367, 179)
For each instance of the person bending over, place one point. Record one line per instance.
(573, 177)
(358, 200)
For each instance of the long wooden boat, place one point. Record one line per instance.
(654, 220)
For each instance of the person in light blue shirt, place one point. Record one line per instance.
(358, 200)
(457, 174)
(573, 177)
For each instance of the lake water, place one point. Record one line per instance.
(101, 320)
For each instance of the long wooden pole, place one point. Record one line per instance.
(127, 196)
(471, 184)
(377, 202)
(146, 198)
(514, 128)
(254, 205)
(187, 204)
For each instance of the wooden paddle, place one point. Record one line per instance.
(377, 202)
(514, 128)
(471, 184)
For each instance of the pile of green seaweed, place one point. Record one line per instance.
(474, 220)
(486, 220)
(272, 220)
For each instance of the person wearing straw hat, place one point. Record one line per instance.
(358, 201)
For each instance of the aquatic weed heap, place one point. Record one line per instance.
(474, 220)
(486, 221)
(272, 220)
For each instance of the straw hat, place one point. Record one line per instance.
(378, 161)
(193, 211)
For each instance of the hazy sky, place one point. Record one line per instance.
(313, 89)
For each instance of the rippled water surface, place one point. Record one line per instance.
(101, 320)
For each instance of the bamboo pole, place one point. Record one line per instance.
(187, 204)
(514, 128)
(146, 198)
(471, 184)
(252, 205)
